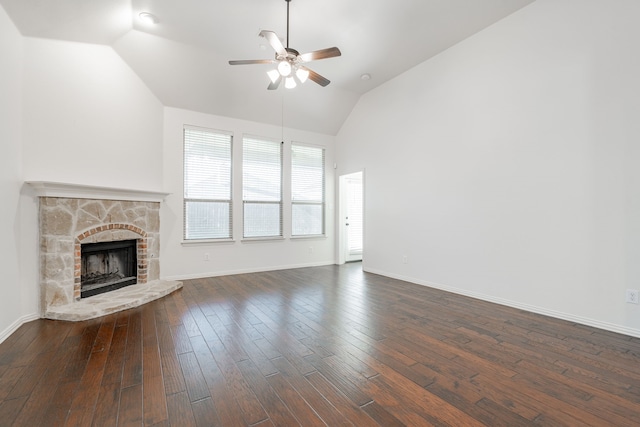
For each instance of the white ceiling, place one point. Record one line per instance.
(184, 58)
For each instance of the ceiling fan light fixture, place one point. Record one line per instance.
(289, 61)
(274, 75)
(284, 68)
(302, 75)
(290, 83)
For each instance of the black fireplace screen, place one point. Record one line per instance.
(107, 266)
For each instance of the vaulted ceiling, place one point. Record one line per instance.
(184, 58)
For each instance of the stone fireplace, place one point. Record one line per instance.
(74, 219)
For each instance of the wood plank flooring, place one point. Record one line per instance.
(313, 347)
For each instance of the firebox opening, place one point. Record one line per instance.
(107, 266)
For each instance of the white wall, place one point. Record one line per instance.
(181, 261)
(73, 113)
(89, 119)
(506, 168)
(13, 308)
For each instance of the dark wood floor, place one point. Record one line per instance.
(318, 346)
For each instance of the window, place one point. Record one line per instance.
(307, 190)
(207, 184)
(262, 187)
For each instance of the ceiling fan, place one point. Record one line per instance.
(290, 62)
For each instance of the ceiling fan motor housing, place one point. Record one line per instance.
(291, 56)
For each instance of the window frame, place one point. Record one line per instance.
(246, 201)
(186, 200)
(322, 203)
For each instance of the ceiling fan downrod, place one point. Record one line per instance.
(288, 1)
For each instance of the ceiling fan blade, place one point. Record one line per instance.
(329, 52)
(322, 81)
(274, 41)
(252, 61)
(274, 85)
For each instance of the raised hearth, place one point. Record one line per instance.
(112, 302)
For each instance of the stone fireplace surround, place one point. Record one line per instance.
(71, 215)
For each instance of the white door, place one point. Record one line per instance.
(352, 219)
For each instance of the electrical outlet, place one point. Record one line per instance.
(206, 256)
(405, 259)
(632, 296)
(310, 249)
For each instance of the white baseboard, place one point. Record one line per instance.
(514, 304)
(15, 325)
(245, 271)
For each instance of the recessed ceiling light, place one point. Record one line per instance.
(365, 77)
(148, 18)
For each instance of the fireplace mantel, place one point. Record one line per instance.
(81, 191)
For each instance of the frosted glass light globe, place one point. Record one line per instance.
(290, 83)
(284, 68)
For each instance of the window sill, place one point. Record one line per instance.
(206, 242)
(262, 239)
(310, 237)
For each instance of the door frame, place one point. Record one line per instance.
(342, 213)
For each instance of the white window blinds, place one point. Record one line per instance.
(262, 187)
(307, 190)
(207, 184)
